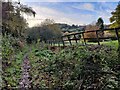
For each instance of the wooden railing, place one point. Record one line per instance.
(62, 40)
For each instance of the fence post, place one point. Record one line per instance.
(62, 41)
(117, 35)
(75, 38)
(84, 38)
(51, 42)
(97, 37)
(69, 40)
(54, 41)
(58, 43)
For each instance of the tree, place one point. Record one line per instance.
(50, 26)
(46, 31)
(115, 19)
(100, 24)
(47, 22)
(12, 21)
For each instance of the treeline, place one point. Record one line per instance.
(47, 30)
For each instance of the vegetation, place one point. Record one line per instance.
(78, 67)
(100, 24)
(46, 31)
(11, 63)
(28, 65)
(70, 70)
(12, 21)
(115, 19)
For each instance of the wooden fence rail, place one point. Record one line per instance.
(67, 38)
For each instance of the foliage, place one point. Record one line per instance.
(12, 73)
(32, 35)
(92, 67)
(70, 28)
(11, 63)
(75, 68)
(100, 23)
(115, 19)
(47, 31)
(12, 20)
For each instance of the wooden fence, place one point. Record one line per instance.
(67, 38)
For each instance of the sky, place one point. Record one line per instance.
(78, 12)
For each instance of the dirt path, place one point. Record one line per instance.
(25, 77)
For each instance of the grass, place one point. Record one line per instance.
(109, 43)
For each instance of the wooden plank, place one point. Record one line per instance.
(102, 38)
(110, 29)
(71, 39)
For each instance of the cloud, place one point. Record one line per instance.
(59, 17)
(88, 6)
(85, 6)
(44, 13)
(83, 13)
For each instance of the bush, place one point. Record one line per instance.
(47, 31)
(73, 68)
(11, 63)
(93, 67)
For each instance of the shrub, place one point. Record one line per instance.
(11, 63)
(74, 68)
(46, 31)
(80, 67)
